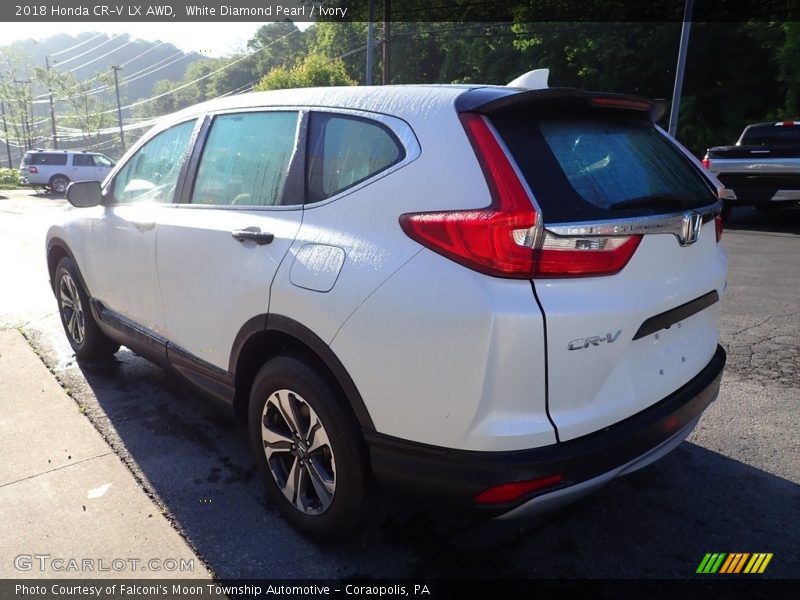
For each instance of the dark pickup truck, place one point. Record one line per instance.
(762, 169)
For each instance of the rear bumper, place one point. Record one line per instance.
(454, 477)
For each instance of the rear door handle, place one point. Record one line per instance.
(253, 234)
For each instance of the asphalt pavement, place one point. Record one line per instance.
(733, 486)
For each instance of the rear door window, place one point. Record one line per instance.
(344, 150)
(246, 159)
(82, 160)
(589, 167)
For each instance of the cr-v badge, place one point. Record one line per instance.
(594, 340)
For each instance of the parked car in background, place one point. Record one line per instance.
(55, 169)
(762, 169)
(494, 298)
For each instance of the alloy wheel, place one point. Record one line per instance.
(71, 308)
(298, 452)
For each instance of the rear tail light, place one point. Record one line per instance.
(33, 170)
(509, 492)
(706, 162)
(505, 239)
(718, 224)
(578, 257)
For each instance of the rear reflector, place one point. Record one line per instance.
(509, 492)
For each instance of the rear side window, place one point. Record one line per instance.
(82, 160)
(599, 168)
(44, 158)
(246, 159)
(344, 150)
(771, 135)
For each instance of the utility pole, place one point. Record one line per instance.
(5, 130)
(370, 42)
(387, 34)
(52, 110)
(117, 68)
(686, 29)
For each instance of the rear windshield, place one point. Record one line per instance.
(771, 135)
(587, 168)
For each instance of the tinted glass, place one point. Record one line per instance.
(43, 158)
(771, 135)
(151, 174)
(246, 159)
(82, 160)
(344, 150)
(598, 168)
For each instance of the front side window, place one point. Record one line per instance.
(151, 174)
(103, 161)
(246, 159)
(82, 160)
(344, 150)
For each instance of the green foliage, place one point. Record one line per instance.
(314, 71)
(9, 178)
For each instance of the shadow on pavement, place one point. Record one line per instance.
(750, 219)
(655, 523)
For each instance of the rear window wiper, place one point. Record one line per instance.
(668, 200)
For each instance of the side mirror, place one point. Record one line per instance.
(84, 194)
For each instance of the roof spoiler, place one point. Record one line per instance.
(495, 100)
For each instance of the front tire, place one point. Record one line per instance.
(308, 449)
(83, 333)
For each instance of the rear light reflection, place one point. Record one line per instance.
(509, 492)
(718, 225)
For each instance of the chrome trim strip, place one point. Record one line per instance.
(673, 223)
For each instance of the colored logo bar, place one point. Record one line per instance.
(734, 562)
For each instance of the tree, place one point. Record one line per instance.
(314, 71)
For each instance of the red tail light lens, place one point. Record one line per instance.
(718, 224)
(706, 162)
(33, 170)
(580, 257)
(502, 239)
(485, 239)
(509, 492)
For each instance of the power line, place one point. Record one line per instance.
(128, 43)
(206, 76)
(94, 37)
(61, 63)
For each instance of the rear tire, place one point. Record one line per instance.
(308, 449)
(59, 184)
(83, 333)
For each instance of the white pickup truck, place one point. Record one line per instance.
(762, 169)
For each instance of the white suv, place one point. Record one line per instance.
(55, 169)
(490, 297)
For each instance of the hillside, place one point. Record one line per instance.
(144, 62)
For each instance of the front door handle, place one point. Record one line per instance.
(253, 234)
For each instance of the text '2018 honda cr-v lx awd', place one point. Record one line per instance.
(497, 298)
